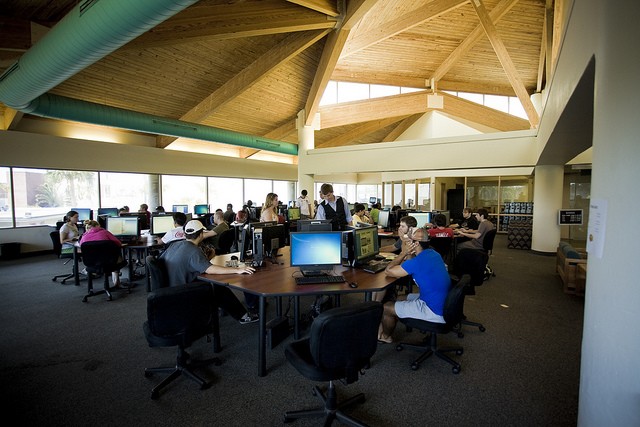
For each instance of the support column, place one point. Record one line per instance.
(306, 141)
(547, 199)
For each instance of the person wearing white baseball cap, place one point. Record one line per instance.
(185, 261)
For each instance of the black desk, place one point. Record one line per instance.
(275, 280)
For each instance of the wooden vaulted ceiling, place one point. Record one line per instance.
(251, 65)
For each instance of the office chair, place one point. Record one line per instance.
(442, 245)
(176, 317)
(453, 308)
(157, 273)
(57, 250)
(101, 257)
(487, 244)
(225, 242)
(473, 263)
(340, 344)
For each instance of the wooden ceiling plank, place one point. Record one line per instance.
(250, 76)
(330, 55)
(328, 7)
(11, 118)
(476, 113)
(401, 127)
(231, 21)
(282, 131)
(348, 138)
(496, 13)
(507, 63)
(425, 13)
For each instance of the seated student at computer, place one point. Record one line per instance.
(219, 225)
(269, 210)
(374, 213)
(429, 273)
(468, 220)
(185, 261)
(177, 233)
(440, 228)
(95, 233)
(476, 236)
(406, 224)
(69, 233)
(333, 207)
(359, 215)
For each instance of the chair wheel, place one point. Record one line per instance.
(460, 334)
(286, 420)
(415, 366)
(399, 347)
(455, 369)
(84, 299)
(459, 352)
(482, 328)
(148, 374)
(53, 280)
(205, 386)
(155, 395)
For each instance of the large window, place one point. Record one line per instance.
(6, 219)
(257, 189)
(410, 195)
(226, 190)
(424, 196)
(130, 189)
(286, 191)
(183, 190)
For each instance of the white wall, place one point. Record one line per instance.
(436, 125)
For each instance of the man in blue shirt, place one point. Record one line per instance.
(429, 273)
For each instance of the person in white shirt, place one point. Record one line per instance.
(304, 203)
(177, 233)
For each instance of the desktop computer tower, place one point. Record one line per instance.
(348, 254)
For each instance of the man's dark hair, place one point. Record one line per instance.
(304, 192)
(483, 212)
(440, 220)
(179, 218)
(358, 207)
(409, 220)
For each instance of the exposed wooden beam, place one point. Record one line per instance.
(287, 49)
(416, 103)
(11, 118)
(359, 132)
(282, 131)
(429, 11)
(330, 55)
(498, 12)
(507, 63)
(229, 21)
(543, 57)
(328, 7)
(402, 126)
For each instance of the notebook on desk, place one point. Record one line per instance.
(375, 266)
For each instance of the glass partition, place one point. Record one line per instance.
(6, 208)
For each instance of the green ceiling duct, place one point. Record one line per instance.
(60, 107)
(92, 30)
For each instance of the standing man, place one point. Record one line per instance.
(306, 209)
(334, 208)
(229, 214)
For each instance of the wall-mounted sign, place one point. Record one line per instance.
(570, 217)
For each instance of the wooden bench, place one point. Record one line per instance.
(567, 261)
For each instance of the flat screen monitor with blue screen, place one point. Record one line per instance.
(83, 214)
(383, 219)
(365, 243)
(160, 224)
(108, 211)
(123, 227)
(316, 252)
(201, 209)
(422, 218)
(180, 208)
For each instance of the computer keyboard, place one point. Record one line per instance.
(311, 280)
(375, 266)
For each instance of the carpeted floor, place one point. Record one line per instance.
(68, 363)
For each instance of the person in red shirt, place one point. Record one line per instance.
(95, 233)
(440, 229)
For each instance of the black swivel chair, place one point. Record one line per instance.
(473, 263)
(442, 245)
(225, 242)
(176, 317)
(101, 257)
(487, 244)
(340, 344)
(453, 308)
(57, 250)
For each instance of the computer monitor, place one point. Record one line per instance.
(316, 252)
(143, 221)
(365, 244)
(372, 200)
(293, 214)
(83, 213)
(267, 240)
(314, 225)
(180, 208)
(200, 209)
(383, 219)
(422, 218)
(160, 224)
(124, 227)
(108, 211)
(245, 242)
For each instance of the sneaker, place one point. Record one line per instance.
(249, 318)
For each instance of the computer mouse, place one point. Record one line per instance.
(234, 258)
(353, 285)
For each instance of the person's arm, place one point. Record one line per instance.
(320, 212)
(217, 269)
(394, 268)
(472, 234)
(347, 212)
